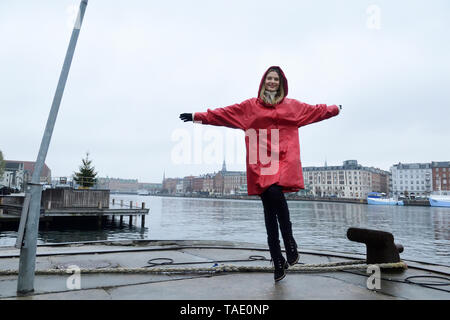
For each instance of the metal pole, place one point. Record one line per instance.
(27, 262)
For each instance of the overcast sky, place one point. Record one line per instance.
(139, 64)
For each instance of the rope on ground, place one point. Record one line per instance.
(327, 267)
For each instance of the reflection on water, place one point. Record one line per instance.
(423, 231)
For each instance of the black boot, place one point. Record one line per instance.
(291, 251)
(280, 265)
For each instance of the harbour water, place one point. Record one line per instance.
(423, 231)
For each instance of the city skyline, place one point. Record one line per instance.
(221, 168)
(218, 169)
(137, 67)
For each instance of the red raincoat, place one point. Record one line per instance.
(271, 140)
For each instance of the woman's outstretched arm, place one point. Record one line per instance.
(233, 116)
(308, 113)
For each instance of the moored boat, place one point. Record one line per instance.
(439, 200)
(385, 201)
(380, 199)
(143, 193)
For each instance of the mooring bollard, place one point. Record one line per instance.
(380, 246)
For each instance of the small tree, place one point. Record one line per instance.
(2, 165)
(86, 176)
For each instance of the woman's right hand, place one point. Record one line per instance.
(186, 117)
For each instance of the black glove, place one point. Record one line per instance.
(186, 117)
(340, 107)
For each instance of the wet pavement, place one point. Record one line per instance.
(337, 285)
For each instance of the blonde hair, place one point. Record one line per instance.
(280, 92)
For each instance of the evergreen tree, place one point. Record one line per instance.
(86, 176)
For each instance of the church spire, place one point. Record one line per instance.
(224, 166)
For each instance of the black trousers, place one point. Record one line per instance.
(276, 212)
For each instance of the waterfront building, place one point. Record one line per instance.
(218, 183)
(188, 184)
(197, 184)
(13, 176)
(221, 182)
(151, 188)
(208, 183)
(351, 180)
(233, 181)
(19, 173)
(411, 179)
(118, 185)
(179, 186)
(440, 172)
(172, 185)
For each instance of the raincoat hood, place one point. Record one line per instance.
(283, 83)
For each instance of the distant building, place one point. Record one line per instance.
(222, 182)
(172, 185)
(231, 182)
(234, 182)
(208, 183)
(118, 185)
(13, 176)
(46, 174)
(440, 172)
(19, 173)
(151, 188)
(188, 183)
(179, 186)
(218, 183)
(351, 180)
(411, 179)
(197, 184)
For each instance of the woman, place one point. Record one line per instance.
(271, 123)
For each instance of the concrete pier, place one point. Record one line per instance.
(337, 285)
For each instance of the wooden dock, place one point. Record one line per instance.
(58, 204)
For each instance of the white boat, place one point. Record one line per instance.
(439, 200)
(143, 193)
(385, 201)
(380, 199)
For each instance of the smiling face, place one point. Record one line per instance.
(272, 82)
